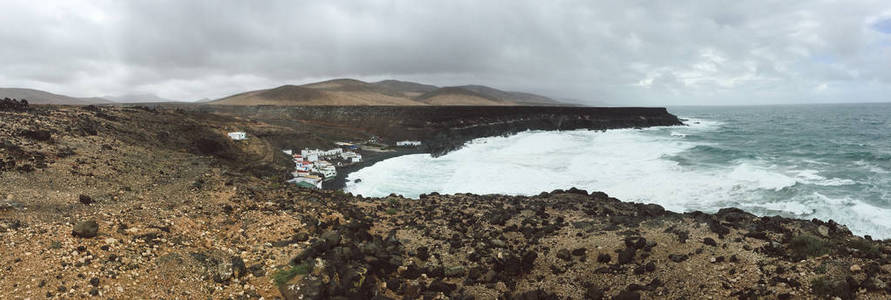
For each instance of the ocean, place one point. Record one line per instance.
(830, 161)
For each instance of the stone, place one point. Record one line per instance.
(627, 295)
(498, 243)
(593, 292)
(603, 258)
(677, 257)
(86, 229)
(563, 254)
(855, 268)
(85, 200)
(710, 241)
(626, 256)
(456, 271)
(579, 252)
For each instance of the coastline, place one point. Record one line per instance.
(121, 202)
(369, 158)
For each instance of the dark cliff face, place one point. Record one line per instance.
(446, 128)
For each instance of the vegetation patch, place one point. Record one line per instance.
(866, 248)
(805, 245)
(284, 275)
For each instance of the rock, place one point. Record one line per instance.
(223, 272)
(626, 255)
(94, 281)
(85, 200)
(331, 238)
(456, 271)
(855, 268)
(627, 295)
(86, 229)
(823, 230)
(423, 253)
(650, 267)
(709, 241)
(716, 227)
(678, 257)
(238, 267)
(603, 258)
(579, 252)
(593, 292)
(498, 243)
(564, 254)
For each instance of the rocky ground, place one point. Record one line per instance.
(124, 203)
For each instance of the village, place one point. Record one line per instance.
(312, 167)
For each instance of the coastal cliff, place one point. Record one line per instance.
(446, 128)
(119, 202)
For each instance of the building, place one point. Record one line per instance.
(351, 156)
(326, 169)
(307, 181)
(408, 143)
(238, 135)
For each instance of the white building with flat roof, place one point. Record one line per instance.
(238, 135)
(408, 143)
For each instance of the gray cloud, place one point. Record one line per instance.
(622, 52)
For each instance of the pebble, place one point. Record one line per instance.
(855, 268)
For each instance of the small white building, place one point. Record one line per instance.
(408, 143)
(351, 156)
(238, 135)
(288, 152)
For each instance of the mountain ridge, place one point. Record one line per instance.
(347, 91)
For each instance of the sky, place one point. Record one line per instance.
(616, 52)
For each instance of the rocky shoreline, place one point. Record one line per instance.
(123, 202)
(577, 245)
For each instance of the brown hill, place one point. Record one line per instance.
(331, 92)
(458, 96)
(388, 92)
(407, 88)
(42, 97)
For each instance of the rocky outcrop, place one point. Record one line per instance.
(446, 128)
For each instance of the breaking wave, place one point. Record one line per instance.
(681, 168)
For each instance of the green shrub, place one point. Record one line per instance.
(805, 245)
(282, 276)
(821, 269)
(391, 211)
(866, 248)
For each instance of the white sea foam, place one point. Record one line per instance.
(632, 165)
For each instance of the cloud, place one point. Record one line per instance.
(627, 52)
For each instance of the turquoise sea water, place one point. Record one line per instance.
(804, 161)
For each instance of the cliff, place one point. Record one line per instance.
(446, 128)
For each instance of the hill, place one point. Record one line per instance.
(459, 96)
(408, 88)
(350, 92)
(138, 98)
(332, 92)
(42, 97)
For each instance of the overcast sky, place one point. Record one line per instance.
(619, 52)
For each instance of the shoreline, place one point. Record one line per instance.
(369, 158)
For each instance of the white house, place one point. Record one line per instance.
(408, 143)
(351, 156)
(238, 135)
